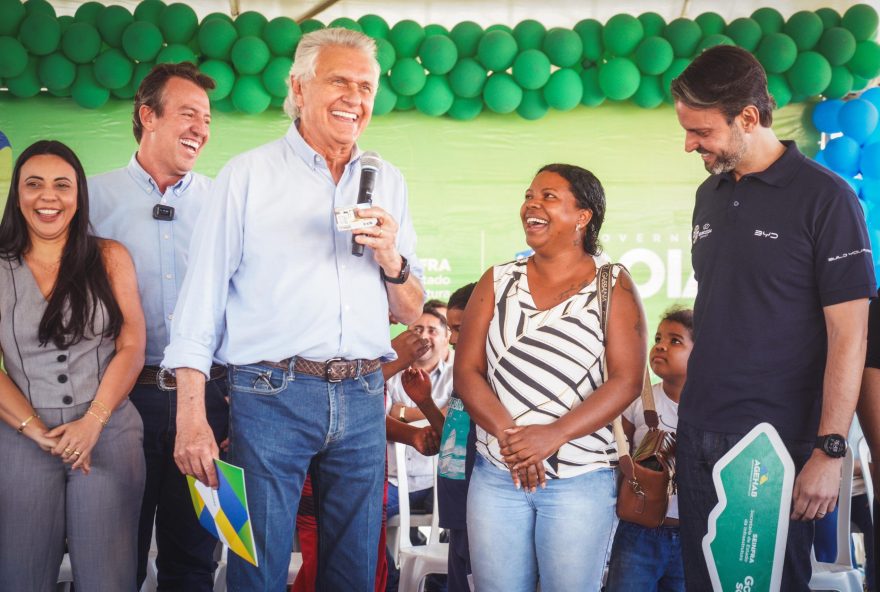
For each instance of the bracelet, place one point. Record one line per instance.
(96, 416)
(24, 424)
(402, 414)
(102, 406)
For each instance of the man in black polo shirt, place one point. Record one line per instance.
(783, 263)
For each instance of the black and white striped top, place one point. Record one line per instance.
(544, 363)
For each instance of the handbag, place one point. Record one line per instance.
(648, 474)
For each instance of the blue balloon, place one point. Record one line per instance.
(842, 156)
(869, 161)
(825, 116)
(872, 95)
(855, 183)
(858, 119)
(870, 192)
(820, 158)
(866, 207)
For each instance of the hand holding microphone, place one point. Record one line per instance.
(370, 165)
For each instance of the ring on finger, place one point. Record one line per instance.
(77, 453)
(67, 451)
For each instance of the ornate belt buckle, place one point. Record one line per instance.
(328, 370)
(165, 380)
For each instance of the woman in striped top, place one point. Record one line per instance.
(529, 369)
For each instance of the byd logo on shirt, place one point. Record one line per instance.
(762, 234)
(699, 233)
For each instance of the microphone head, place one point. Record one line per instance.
(371, 160)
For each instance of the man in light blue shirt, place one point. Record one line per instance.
(151, 207)
(274, 291)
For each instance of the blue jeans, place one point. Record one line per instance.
(696, 453)
(645, 559)
(280, 422)
(562, 532)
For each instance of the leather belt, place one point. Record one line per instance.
(332, 370)
(153, 376)
(670, 523)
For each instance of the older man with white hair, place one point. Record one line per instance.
(273, 288)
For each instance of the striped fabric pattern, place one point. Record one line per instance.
(544, 363)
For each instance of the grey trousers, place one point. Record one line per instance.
(43, 503)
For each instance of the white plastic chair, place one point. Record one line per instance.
(65, 575)
(840, 575)
(865, 460)
(397, 536)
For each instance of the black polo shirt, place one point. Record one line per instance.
(769, 251)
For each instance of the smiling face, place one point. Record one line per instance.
(337, 104)
(550, 214)
(672, 348)
(431, 328)
(47, 196)
(721, 145)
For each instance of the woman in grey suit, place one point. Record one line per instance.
(72, 342)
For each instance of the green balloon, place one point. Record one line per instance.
(250, 24)
(654, 55)
(466, 36)
(837, 45)
(810, 74)
(533, 105)
(113, 69)
(745, 32)
(675, 69)
(712, 41)
(12, 12)
(249, 96)
(407, 77)
(250, 55)
(501, 93)
(499, 27)
(865, 62)
(276, 102)
(496, 50)
(61, 93)
(861, 20)
(777, 52)
(465, 109)
(275, 76)
(622, 34)
(593, 93)
(86, 91)
(374, 26)
(40, 34)
(178, 23)
(859, 83)
(223, 105)
(710, 23)
(779, 90)
(149, 10)
(175, 54)
(88, 13)
(282, 35)
(216, 16)
(81, 43)
(386, 98)
(309, 25)
(434, 29)
(619, 79)
(385, 54)
(769, 19)
(531, 69)
(344, 22)
(683, 35)
(222, 75)
(140, 72)
(404, 103)
(467, 78)
(27, 84)
(590, 32)
(65, 20)
(112, 22)
(216, 38)
(32, 7)
(650, 92)
(436, 97)
(841, 83)
(438, 54)
(830, 17)
(563, 46)
(805, 28)
(56, 72)
(142, 41)
(406, 36)
(652, 23)
(529, 34)
(125, 93)
(564, 90)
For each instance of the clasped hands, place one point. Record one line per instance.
(524, 449)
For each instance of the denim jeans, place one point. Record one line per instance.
(645, 559)
(696, 453)
(562, 532)
(185, 559)
(280, 422)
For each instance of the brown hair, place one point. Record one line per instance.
(150, 92)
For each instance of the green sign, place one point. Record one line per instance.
(745, 545)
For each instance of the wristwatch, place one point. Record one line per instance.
(834, 445)
(404, 273)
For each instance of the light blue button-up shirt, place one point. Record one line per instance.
(270, 277)
(121, 207)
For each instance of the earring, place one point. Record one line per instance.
(577, 227)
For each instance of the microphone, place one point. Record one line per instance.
(370, 165)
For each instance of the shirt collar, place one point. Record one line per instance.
(146, 182)
(778, 174)
(308, 154)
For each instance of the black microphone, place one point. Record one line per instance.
(370, 165)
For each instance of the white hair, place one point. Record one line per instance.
(306, 58)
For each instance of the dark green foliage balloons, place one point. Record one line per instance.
(250, 24)
(386, 98)
(745, 32)
(837, 45)
(777, 52)
(683, 35)
(32, 7)
(499, 27)
(675, 69)
(40, 34)
(464, 109)
(531, 69)
(374, 26)
(275, 76)
(112, 22)
(142, 41)
(113, 69)
(434, 29)
(564, 90)
(496, 50)
(501, 93)
(769, 19)
(88, 13)
(56, 72)
(861, 20)
(830, 17)
(407, 77)
(175, 54)
(805, 28)
(713, 40)
(128, 91)
(406, 36)
(650, 92)
(223, 76)
(529, 34)
(309, 25)
(590, 32)
(344, 22)
(26, 84)
(385, 54)
(466, 36)
(593, 94)
(65, 20)
(86, 91)
(779, 89)
(249, 96)
(810, 74)
(619, 79)
(622, 34)
(467, 78)
(563, 46)
(282, 35)
(859, 83)
(841, 83)
(178, 23)
(404, 103)
(652, 24)
(250, 55)
(711, 23)
(436, 96)
(438, 54)
(11, 14)
(533, 105)
(149, 10)
(654, 55)
(81, 43)
(216, 38)
(865, 62)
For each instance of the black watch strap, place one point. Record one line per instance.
(834, 445)
(404, 273)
